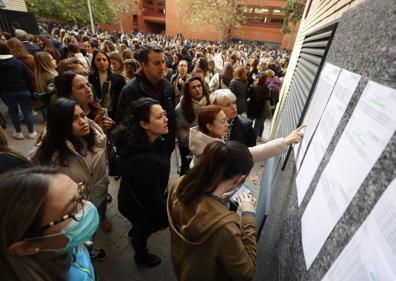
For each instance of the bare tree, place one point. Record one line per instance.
(224, 15)
(124, 8)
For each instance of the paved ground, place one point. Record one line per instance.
(120, 265)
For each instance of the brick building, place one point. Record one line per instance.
(160, 16)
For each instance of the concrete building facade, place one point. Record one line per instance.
(317, 14)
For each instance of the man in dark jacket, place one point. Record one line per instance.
(150, 82)
(240, 127)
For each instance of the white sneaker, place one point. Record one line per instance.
(32, 135)
(18, 136)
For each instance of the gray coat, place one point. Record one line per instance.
(182, 125)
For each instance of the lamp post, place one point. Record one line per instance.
(90, 16)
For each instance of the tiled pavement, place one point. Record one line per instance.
(120, 265)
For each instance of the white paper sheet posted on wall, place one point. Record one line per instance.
(343, 90)
(324, 87)
(371, 253)
(368, 131)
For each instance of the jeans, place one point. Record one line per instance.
(259, 126)
(21, 98)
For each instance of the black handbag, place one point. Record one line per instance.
(44, 97)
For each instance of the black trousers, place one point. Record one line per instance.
(142, 227)
(140, 234)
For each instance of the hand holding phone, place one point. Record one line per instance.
(242, 190)
(246, 202)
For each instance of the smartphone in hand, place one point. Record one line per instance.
(243, 189)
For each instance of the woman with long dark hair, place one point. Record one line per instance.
(44, 223)
(77, 147)
(45, 45)
(106, 83)
(74, 86)
(145, 175)
(194, 98)
(209, 242)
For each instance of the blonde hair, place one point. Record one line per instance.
(44, 71)
(269, 73)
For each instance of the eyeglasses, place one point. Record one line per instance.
(77, 212)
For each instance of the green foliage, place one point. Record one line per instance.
(72, 11)
(293, 11)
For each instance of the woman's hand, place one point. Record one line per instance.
(108, 123)
(295, 136)
(246, 202)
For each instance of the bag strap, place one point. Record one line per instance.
(132, 193)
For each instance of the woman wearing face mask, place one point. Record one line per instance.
(194, 98)
(213, 126)
(107, 84)
(77, 147)
(145, 175)
(50, 223)
(209, 242)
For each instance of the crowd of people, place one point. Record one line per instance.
(120, 105)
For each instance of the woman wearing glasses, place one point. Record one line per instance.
(50, 223)
(213, 126)
(77, 146)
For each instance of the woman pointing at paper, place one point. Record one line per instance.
(213, 126)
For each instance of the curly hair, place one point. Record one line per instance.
(186, 103)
